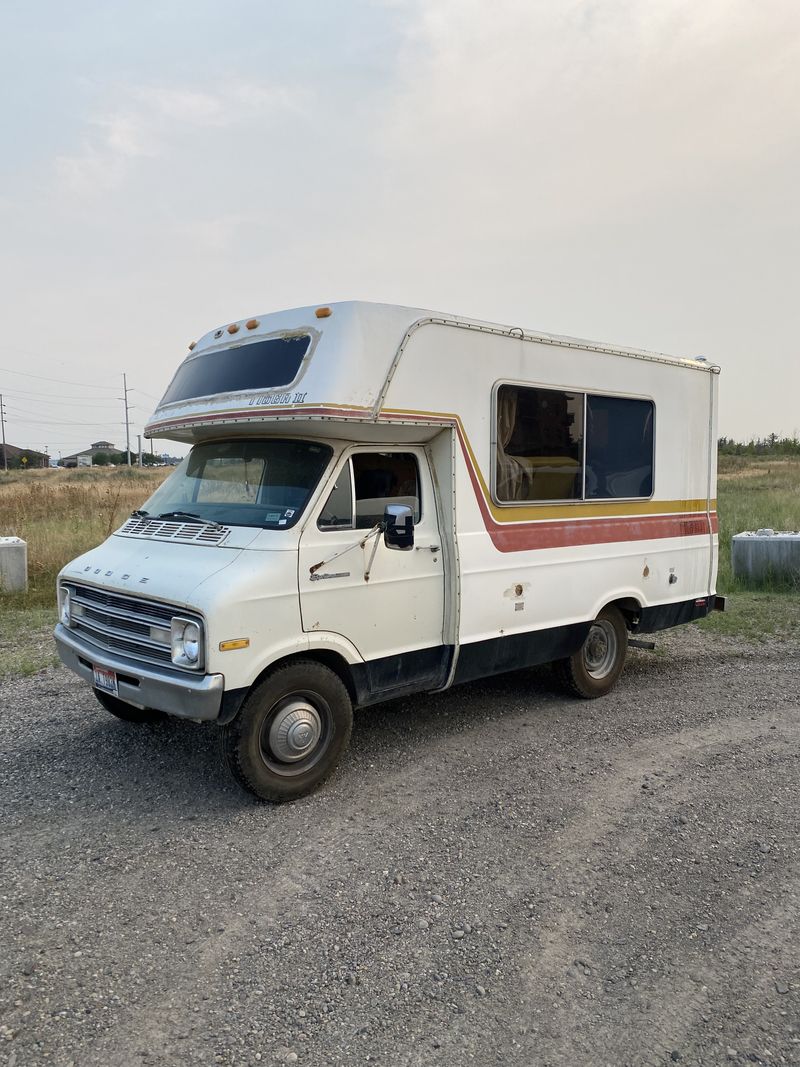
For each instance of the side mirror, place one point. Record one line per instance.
(398, 527)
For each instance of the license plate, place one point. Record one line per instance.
(105, 680)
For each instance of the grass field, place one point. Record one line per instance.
(63, 513)
(60, 513)
(756, 492)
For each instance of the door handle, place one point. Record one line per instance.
(427, 548)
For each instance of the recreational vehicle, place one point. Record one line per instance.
(381, 501)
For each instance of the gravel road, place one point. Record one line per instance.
(497, 874)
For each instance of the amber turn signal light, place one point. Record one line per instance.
(238, 642)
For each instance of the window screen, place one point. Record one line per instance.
(268, 364)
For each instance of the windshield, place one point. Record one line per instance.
(242, 483)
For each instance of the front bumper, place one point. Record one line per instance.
(182, 695)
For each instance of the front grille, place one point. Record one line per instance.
(190, 533)
(123, 624)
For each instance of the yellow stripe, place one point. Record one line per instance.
(578, 509)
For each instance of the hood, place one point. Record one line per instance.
(159, 570)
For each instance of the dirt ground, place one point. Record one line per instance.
(496, 875)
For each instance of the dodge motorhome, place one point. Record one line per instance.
(381, 501)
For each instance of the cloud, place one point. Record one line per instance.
(582, 110)
(147, 119)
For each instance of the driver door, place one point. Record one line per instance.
(388, 603)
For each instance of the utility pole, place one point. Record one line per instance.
(139, 443)
(3, 424)
(127, 423)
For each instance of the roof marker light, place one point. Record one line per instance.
(323, 313)
(252, 323)
(233, 328)
(192, 345)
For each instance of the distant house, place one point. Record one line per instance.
(86, 457)
(16, 458)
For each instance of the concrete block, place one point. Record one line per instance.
(13, 565)
(766, 554)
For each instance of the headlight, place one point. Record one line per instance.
(64, 613)
(186, 641)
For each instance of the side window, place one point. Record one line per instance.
(619, 447)
(338, 511)
(543, 434)
(539, 444)
(383, 478)
(380, 478)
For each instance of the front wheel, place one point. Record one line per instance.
(291, 732)
(593, 670)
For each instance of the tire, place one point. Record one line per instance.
(290, 733)
(127, 712)
(593, 670)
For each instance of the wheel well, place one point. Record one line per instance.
(631, 610)
(332, 660)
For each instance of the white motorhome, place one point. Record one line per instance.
(381, 501)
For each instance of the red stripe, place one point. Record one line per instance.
(565, 533)
(258, 413)
(509, 536)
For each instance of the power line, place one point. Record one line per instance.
(42, 398)
(61, 381)
(45, 416)
(54, 422)
(35, 416)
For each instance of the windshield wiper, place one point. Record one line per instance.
(188, 516)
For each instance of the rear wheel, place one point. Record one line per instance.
(593, 670)
(291, 732)
(128, 712)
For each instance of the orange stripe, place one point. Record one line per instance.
(527, 536)
(517, 529)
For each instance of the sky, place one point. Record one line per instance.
(622, 170)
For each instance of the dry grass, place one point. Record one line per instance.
(63, 513)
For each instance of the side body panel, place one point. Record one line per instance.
(552, 566)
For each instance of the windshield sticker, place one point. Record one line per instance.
(289, 513)
(272, 516)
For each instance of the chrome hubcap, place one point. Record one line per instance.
(295, 731)
(600, 650)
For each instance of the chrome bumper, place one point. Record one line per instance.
(147, 687)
